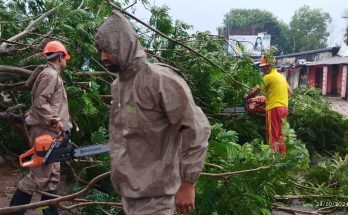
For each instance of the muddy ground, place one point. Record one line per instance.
(9, 176)
(339, 105)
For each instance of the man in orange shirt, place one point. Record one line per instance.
(277, 91)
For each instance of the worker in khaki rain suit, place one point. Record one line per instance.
(47, 115)
(158, 136)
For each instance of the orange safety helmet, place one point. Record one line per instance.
(264, 61)
(56, 47)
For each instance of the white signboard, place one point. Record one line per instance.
(252, 45)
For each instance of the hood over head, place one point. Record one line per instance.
(117, 37)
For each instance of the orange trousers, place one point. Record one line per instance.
(274, 120)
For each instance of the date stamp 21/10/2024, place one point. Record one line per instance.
(331, 204)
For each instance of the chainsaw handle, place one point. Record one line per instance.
(60, 134)
(26, 154)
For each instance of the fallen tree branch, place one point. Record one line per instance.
(105, 212)
(130, 5)
(87, 161)
(97, 73)
(106, 98)
(57, 200)
(16, 70)
(10, 116)
(291, 210)
(214, 166)
(301, 186)
(235, 172)
(3, 107)
(50, 37)
(26, 60)
(25, 128)
(83, 85)
(77, 177)
(12, 42)
(14, 87)
(30, 27)
(84, 204)
(10, 157)
(330, 209)
(58, 196)
(174, 41)
(170, 67)
(17, 106)
(288, 197)
(80, 6)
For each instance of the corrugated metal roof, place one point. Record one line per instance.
(329, 61)
(331, 49)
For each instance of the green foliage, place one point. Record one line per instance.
(322, 129)
(306, 31)
(161, 20)
(327, 177)
(101, 197)
(309, 29)
(99, 136)
(248, 17)
(89, 112)
(237, 143)
(253, 192)
(328, 172)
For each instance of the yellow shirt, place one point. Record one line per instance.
(275, 87)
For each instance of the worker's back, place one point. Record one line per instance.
(276, 89)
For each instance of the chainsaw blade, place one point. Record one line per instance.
(234, 110)
(65, 153)
(91, 150)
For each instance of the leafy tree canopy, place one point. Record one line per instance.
(308, 29)
(258, 21)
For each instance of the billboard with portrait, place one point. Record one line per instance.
(252, 45)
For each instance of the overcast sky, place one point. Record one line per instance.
(208, 14)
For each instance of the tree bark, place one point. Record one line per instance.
(30, 27)
(15, 70)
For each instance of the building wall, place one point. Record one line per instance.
(293, 76)
(311, 76)
(286, 61)
(331, 82)
(329, 79)
(339, 80)
(344, 81)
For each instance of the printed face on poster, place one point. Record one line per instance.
(252, 45)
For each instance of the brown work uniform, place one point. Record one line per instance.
(49, 102)
(158, 136)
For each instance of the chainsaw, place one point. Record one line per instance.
(48, 149)
(252, 105)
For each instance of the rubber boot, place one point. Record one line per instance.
(20, 198)
(51, 210)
